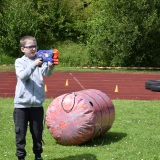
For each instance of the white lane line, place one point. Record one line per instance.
(77, 81)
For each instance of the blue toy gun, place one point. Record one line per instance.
(48, 55)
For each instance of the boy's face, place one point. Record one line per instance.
(30, 49)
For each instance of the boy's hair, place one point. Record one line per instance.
(24, 39)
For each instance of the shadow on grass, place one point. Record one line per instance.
(108, 138)
(78, 157)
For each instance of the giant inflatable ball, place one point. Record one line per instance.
(75, 118)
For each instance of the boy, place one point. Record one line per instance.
(29, 97)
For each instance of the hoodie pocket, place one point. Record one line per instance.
(20, 90)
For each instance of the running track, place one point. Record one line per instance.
(129, 85)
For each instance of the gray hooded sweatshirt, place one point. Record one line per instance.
(30, 86)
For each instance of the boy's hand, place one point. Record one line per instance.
(50, 64)
(38, 62)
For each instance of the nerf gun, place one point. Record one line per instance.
(48, 56)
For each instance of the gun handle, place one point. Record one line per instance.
(41, 64)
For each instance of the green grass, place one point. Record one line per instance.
(6, 59)
(133, 136)
(4, 68)
(72, 54)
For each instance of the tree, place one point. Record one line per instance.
(48, 20)
(18, 19)
(124, 33)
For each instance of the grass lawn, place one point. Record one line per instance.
(133, 136)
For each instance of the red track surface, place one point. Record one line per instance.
(129, 85)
